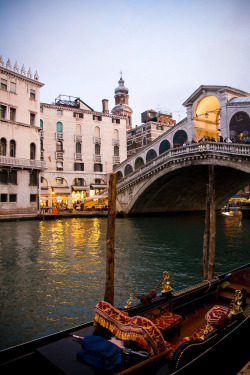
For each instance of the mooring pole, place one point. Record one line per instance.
(110, 241)
(206, 237)
(211, 262)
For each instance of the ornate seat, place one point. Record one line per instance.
(167, 320)
(138, 329)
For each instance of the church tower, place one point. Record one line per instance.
(121, 103)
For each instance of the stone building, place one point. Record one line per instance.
(20, 164)
(154, 124)
(80, 146)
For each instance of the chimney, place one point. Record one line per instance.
(105, 106)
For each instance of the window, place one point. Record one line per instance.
(41, 109)
(32, 94)
(32, 118)
(3, 147)
(116, 120)
(59, 165)
(3, 84)
(116, 151)
(3, 176)
(59, 127)
(3, 197)
(116, 134)
(79, 182)
(97, 149)
(97, 132)
(41, 124)
(33, 198)
(97, 167)
(12, 148)
(3, 111)
(98, 118)
(12, 197)
(59, 112)
(32, 151)
(59, 180)
(77, 115)
(78, 148)
(12, 114)
(13, 87)
(59, 146)
(13, 177)
(33, 178)
(79, 166)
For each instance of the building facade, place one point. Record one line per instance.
(20, 164)
(154, 124)
(80, 146)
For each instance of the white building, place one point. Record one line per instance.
(80, 147)
(20, 163)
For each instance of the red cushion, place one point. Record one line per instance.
(214, 315)
(166, 320)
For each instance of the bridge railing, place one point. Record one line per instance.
(227, 148)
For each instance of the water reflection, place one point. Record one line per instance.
(53, 272)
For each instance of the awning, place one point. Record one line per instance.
(61, 190)
(80, 188)
(96, 186)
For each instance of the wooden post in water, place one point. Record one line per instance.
(110, 241)
(206, 237)
(211, 261)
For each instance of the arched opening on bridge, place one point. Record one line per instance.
(207, 118)
(239, 127)
(119, 175)
(164, 146)
(179, 138)
(151, 154)
(139, 162)
(128, 169)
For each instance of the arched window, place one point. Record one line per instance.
(41, 124)
(97, 149)
(3, 147)
(78, 148)
(116, 134)
(144, 141)
(151, 154)
(116, 151)
(97, 131)
(32, 151)
(240, 126)
(179, 138)
(78, 129)
(59, 127)
(12, 148)
(128, 169)
(79, 182)
(119, 175)
(139, 162)
(133, 145)
(164, 146)
(59, 146)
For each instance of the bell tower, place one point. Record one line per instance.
(121, 103)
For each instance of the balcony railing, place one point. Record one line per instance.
(97, 158)
(59, 155)
(78, 156)
(22, 163)
(116, 142)
(59, 136)
(116, 159)
(78, 138)
(97, 140)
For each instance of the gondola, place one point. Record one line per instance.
(203, 329)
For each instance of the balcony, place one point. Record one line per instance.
(78, 156)
(59, 155)
(97, 140)
(116, 142)
(116, 159)
(78, 138)
(59, 136)
(22, 163)
(97, 158)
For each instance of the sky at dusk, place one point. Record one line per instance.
(166, 49)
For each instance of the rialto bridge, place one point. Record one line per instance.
(166, 176)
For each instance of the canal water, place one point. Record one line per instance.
(53, 272)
